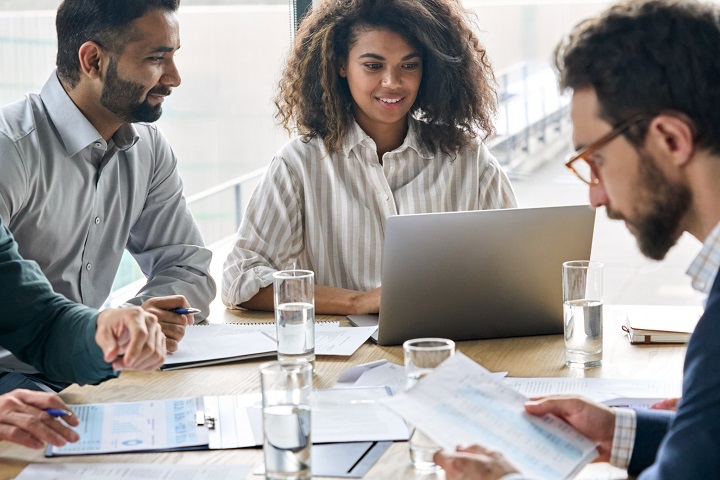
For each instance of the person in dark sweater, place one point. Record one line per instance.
(65, 341)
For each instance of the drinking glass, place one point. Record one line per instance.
(294, 292)
(286, 390)
(422, 355)
(583, 313)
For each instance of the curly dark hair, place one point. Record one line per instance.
(456, 100)
(649, 56)
(106, 22)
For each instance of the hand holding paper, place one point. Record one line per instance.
(593, 420)
(461, 403)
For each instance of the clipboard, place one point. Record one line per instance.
(224, 422)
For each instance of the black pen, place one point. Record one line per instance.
(185, 311)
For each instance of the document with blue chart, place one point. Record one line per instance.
(152, 425)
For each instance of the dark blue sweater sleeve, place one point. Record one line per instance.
(691, 447)
(652, 426)
(43, 328)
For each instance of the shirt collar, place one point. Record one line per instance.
(75, 131)
(356, 136)
(704, 268)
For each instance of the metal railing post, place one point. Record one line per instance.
(238, 206)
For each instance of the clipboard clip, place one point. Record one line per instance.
(202, 418)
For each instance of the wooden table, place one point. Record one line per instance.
(541, 356)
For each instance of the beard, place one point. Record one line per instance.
(659, 228)
(122, 97)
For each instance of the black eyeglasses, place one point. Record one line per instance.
(586, 170)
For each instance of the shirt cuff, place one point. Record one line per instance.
(513, 476)
(623, 438)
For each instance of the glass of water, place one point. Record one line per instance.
(295, 315)
(422, 355)
(583, 313)
(286, 391)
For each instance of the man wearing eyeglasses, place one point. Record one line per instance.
(645, 77)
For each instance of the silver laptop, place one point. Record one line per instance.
(480, 274)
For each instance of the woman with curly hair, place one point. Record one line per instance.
(389, 98)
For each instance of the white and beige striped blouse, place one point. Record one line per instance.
(327, 213)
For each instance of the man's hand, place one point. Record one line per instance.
(173, 325)
(473, 463)
(130, 338)
(24, 421)
(666, 404)
(594, 420)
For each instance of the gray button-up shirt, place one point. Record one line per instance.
(75, 202)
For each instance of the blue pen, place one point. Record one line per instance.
(54, 412)
(185, 311)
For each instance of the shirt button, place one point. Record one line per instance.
(97, 220)
(98, 144)
(88, 266)
(387, 197)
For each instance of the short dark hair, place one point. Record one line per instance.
(649, 56)
(106, 22)
(456, 99)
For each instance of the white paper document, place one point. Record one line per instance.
(124, 471)
(381, 373)
(374, 374)
(218, 343)
(330, 337)
(338, 415)
(342, 341)
(598, 389)
(355, 415)
(460, 402)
